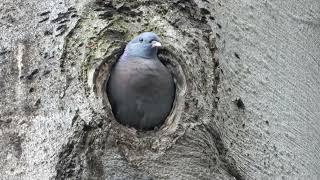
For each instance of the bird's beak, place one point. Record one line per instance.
(155, 44)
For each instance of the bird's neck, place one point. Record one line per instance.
(127, 56)
(124, 56)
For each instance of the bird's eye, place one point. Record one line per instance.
(141, 40)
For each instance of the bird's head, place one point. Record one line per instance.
(144, 45)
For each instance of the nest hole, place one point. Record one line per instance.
(172, 63)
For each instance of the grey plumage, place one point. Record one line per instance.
(141, 90)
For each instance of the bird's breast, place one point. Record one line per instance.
(140, 77)
(141, 92)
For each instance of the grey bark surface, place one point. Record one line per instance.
(247, 101)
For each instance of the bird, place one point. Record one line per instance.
(140, 89)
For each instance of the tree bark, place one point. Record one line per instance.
(247, 99)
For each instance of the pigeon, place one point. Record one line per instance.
(140, 89)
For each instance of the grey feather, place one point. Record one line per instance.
(141, 90)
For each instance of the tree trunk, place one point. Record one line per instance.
(247, 99)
